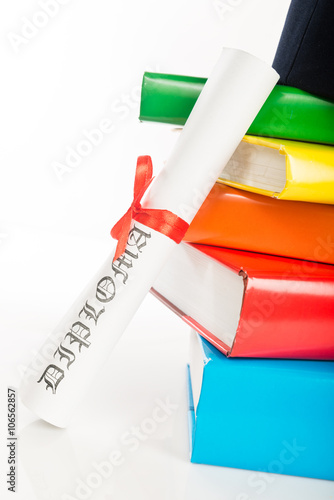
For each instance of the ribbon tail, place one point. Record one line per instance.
(120, 232)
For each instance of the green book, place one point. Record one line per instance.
(288, 113)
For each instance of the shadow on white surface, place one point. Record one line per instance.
(60, 466)
(215, 483)
(48, 459)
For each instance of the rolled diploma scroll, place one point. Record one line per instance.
(229, 102)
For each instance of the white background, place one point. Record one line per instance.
(85, 65)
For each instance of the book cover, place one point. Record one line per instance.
(283, 169)
(248, 221)
(287, 113)
(263, 415)
(252, 305)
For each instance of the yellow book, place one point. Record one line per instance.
(288, 170)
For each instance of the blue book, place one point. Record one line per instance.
(267, 415)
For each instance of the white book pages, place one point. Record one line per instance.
(257, 166)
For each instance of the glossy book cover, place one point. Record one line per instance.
(263, 415)
(282, 169)
(288, 112)
(239, 219)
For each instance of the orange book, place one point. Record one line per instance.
(247, 221)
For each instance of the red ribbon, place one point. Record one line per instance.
(163, 221)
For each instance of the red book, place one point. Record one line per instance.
(252, 305)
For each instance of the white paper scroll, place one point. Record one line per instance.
(229, 102)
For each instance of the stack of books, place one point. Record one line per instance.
(255, 278)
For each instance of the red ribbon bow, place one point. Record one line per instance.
(163, 221)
